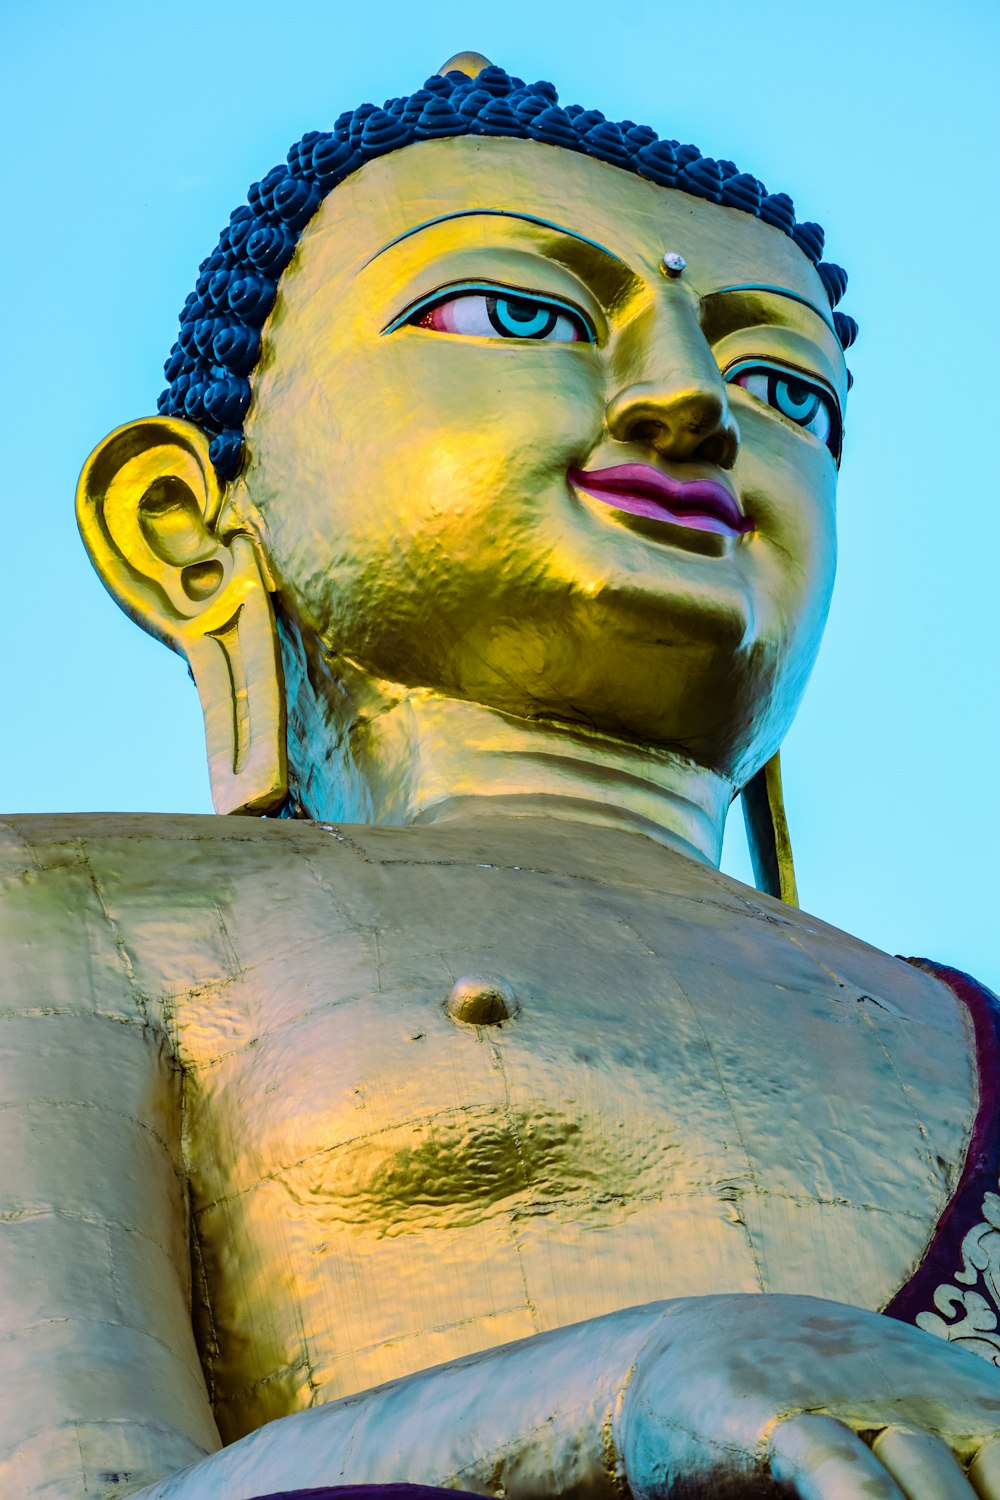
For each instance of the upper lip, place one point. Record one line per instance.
(678, 496)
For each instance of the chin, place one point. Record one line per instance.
(701, 699)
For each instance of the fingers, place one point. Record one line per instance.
(921, 1464)
(984, 1471)
(821, 1459)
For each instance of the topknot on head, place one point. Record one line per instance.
(210, 365)
(469, 64)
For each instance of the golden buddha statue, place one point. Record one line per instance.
(460, 1124)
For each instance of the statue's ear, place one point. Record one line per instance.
(149, 506)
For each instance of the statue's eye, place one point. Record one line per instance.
(491, 313)
(796, 398)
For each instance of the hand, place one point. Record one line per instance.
(735, 1395)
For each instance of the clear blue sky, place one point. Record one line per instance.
(129, 133)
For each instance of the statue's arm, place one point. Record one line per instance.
(101, 1390)
(703, 1395)
(531, 1419)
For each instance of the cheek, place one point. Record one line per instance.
(420, 468)
(513, 404)
(445, 441)
(789, 483)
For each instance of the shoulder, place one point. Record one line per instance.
(122, 915)
(97, 911)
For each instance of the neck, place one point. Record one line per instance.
(363, 751)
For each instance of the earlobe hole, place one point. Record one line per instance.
(201, 580)
(172, 523)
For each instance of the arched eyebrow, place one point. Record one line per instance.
(778, 291)
(499, 213)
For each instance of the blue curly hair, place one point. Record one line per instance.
(209, 368)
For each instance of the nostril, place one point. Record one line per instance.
(712, 450)
(646, 431)
(720, 447)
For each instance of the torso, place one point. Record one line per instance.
(703, 1090)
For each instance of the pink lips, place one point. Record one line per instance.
(642, 490)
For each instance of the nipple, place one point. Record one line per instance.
(481, 1000)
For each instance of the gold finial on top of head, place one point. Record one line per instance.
(469, 63)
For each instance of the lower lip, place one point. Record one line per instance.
(652, 509)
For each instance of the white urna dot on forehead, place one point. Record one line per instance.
(672, 264)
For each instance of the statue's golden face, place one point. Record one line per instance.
(498, 452)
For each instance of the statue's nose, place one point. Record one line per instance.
(672, 397)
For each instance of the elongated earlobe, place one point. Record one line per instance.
(767, 833)
(236, 665)
(149, 506)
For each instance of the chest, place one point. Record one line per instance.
(636, 1039)
(675, 1071)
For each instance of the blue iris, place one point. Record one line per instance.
(793, 398)
(516, 317)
